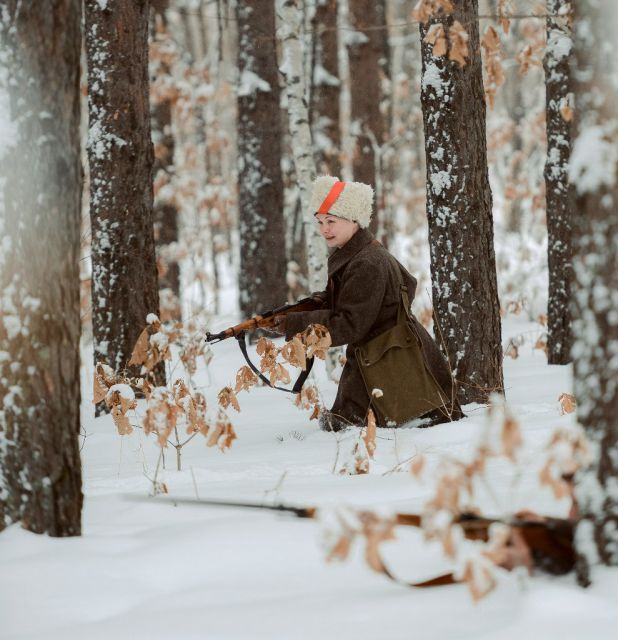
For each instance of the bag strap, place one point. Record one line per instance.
(403, 289)
(300, 381)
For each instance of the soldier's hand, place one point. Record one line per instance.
(278, 325)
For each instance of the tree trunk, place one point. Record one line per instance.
(558, 195)
(325, 89)
(120, 156)
(165, 210)
(459, 211)
(262, 281)
(290, 18)
(40, 195)
(369, 70)
(594, 175)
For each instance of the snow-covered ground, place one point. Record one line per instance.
(145, 568)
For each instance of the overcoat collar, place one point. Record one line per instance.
(340, 257)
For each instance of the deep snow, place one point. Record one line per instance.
(147, 569)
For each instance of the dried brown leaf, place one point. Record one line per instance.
(512, 351)
(503, 14)
(317, 340)
(161, 414)
(511, 437)
(223, 433)
(541, 343)
(370, 434)
(448, 543)
(227, 397)
(376, 530)
(437, 37)
(245, 379)
(479, 578)
(140, 350)
(294, 353)
(278, 373)
(458, 38)
(417, 466)
(101, 383)
(426, 9)
(559, 487)
(121, 421)
(566, 111)
(341, 549)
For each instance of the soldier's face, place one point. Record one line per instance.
(336, 231)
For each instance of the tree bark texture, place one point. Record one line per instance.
(290, 21)
(325, 89)
(262, 280)
(459, 211)
(165, 210)
(120, 156)
(558, 194)
(369, 71)
(40, 193)
(594, 174)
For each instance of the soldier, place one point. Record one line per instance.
(393, 366)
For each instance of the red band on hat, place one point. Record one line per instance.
(331, 198)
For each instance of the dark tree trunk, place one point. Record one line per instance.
(325, 90)
(459, 211)
(558, 195)
(165, 211)
(262, 231)
(120, 156)
(594, 175)
(40, 468)
(369, 70)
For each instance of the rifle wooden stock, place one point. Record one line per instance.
(550, 540)
(265, 320)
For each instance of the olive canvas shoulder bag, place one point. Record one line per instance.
(399, 383)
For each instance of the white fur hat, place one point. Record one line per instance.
(354, 201)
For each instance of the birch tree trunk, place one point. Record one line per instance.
(40, 193)
(263, 265)
(290, 22)
(120, 156)
(558, 195)
(459, 208)
(594, 175)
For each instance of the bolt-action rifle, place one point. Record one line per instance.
(549, 540)
(266, 320)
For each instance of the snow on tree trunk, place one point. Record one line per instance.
(290, 20)
(325, 89)
(162, 52)
(369, 72)
(262, 281)
(594, 174)
(120, 156)
(558, 195)
(40, 193)
(459, 211)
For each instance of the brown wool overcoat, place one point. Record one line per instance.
(361, 302)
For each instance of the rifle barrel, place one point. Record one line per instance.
(299, 512)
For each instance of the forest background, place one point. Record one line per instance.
(164, 151)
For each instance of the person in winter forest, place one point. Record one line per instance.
(393, 366)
